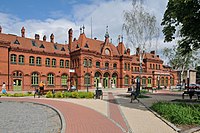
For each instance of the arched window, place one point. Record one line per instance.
(166, 81)
(34, 78)
(21, 59)
(50, 79)
(31, 60)
(61, 63)
(97, 64)
(47, 62)
(87, 79)
(106, 65)
(64, 78)
(128, 67)
(53, 62)
(162, 81)
(85, 63)
(13, 59)
(114, 66)
(90, 63)
(172, 81)
(144, 81)
(125, 66)
(38, 61)
(126, 80)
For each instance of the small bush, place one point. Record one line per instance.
(90, 95)
(59, 94)
(75, 95)
(49, 94)
(18, 95)
(67, 94)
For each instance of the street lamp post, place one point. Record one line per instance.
(158, 82)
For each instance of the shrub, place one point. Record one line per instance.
(49, 94)
(90, 95)
(178, 113)
(75, 95)
(58, 94)
(82, 94)
(18, 95)
(67, 94)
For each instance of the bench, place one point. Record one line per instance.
(191, 93)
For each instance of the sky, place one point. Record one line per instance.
(44, 17)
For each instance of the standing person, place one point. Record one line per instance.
(41, 86)
(4, 88)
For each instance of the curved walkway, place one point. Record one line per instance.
(78, 119)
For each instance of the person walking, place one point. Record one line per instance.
(41, 86)
(4, 88)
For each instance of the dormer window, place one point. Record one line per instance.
(62, 49)
(77, 46)
(86, 45)
(42, 46)
(55, 47)
(34, 43)
(125, 52)
(16, 42)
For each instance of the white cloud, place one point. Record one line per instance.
(103, 13)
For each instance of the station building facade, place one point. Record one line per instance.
(84, 63)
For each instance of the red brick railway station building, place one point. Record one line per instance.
(84, 62)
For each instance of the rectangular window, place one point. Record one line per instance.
(53, 62)
(21, 60)
(31, 61)
(13, 59)
(47, 62)
(67, 64)
(38, 61)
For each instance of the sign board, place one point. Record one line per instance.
(71, 70)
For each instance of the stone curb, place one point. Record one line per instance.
(161, 118)
(62, 119)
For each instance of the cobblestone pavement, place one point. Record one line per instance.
(26, 117)
(79, 119)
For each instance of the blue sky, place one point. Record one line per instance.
(57, 16)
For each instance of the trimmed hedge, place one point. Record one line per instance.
(74, 94)
(178, 113)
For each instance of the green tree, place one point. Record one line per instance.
(181, 62)
(183, 14)
(140, 26)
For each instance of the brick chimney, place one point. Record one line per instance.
(137, 51)
(44, 38)
(128, 51)
(23, 32)
(70, 32)
(37, 37)
(0, 29)
(52, 38)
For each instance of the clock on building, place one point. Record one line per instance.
(107, 52)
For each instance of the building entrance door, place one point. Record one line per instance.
(149, 82)
(105, 83)
(18, 85)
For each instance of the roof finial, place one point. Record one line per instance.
(83, 28)
(122, 38)
(107, 34)
(80, 30)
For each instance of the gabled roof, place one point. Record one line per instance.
(35, 45)
(93, 45)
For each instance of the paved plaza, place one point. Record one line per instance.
(113, 114)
